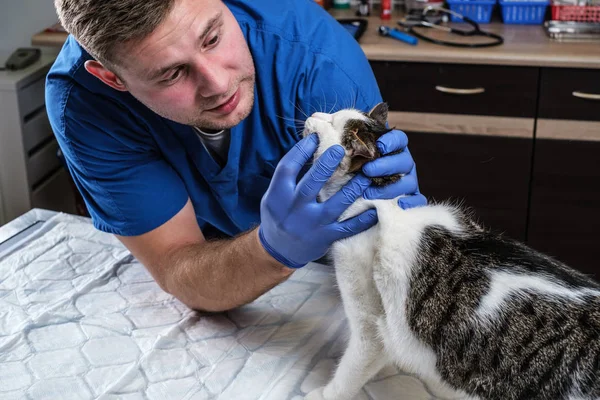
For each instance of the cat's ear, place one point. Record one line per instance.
(360, 148)
(380, 113)
(361, 152)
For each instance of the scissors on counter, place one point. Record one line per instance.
(425, 21)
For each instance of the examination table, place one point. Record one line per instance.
(80, 318)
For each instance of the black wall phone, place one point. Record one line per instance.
(21, 58)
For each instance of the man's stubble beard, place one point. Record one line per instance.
(241, 114)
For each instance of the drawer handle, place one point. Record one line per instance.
(444, 89)
(588, 96)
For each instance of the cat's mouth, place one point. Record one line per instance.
(314, 125)
(307, 132)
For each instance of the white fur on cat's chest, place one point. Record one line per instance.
(374, 270)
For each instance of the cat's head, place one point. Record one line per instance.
(354, 130)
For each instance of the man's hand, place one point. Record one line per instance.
(401, 163)
(296, 229)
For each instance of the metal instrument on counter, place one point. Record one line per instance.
(570, 31)
(425, 21)
(577, 2)
(396, 34)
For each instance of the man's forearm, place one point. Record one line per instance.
(220, 275)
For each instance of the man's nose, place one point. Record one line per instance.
(213, 80)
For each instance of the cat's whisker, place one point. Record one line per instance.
(298, 108)
(343, 101)
(297, 121)
(349, 105)
(314, 108)
(320, 107)
(336, 96)
(352, 99)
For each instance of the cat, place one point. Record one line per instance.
(473, 314)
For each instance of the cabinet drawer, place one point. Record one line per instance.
(55, 193)
(570, 94)
(36, 130)
(31, 97)
(458, 89)
(42, 163)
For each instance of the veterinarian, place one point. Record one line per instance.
(180, 116)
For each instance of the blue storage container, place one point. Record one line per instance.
(524, 12)
(478, 10)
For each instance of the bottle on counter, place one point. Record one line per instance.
(364, 8)
(386, 9)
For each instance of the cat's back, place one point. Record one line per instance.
(505, 321)
(535, 325)
(522, 326)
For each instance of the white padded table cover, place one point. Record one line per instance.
(80, 318)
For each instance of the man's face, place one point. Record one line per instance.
(195, 68)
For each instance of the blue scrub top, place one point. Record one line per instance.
(135, 169)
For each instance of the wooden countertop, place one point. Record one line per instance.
(524, 45)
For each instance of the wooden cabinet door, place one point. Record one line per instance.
(565, 202)
(565, 195)
(481, 162)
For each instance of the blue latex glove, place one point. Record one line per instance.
(401, 163)
(296, 229)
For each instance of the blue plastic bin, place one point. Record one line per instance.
(524, 12)
(478, 10)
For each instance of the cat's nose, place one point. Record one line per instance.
(323, 116)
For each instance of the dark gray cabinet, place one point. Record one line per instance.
(564, 220)
(519, 145)
(481, 172)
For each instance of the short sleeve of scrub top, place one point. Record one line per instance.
(114, 164)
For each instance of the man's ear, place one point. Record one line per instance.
(110, 78)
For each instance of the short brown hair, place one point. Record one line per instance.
(103, 27)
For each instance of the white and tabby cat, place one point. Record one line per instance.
(474, 314)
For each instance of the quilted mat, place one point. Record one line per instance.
(80, 318)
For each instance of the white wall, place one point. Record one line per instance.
(20, 19)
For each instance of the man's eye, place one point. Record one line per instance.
(213, 40)
(175, 75)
